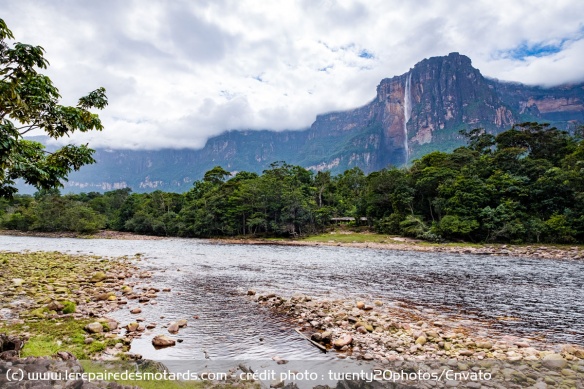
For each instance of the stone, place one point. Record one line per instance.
(326, 336)
(554, 361)
(344, 340)
(97, 277)
(182, 323)
(173, 328)
(132, 326)
(136, 310)
(17, 281)
(251, 292)
(421, 340)
(55, 306)
(163, 341)
(486, 345)
(466, 353)
(94, 328)
(360, 304)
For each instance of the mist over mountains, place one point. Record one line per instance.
(413, 114)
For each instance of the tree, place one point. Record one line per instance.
(29, 101)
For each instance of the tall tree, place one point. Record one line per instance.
(29, 101)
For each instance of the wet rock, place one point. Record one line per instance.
(163, 341)
(136, 310)
(344, 340)
(182, 323)
(132, 326)
(173, 328)
(251, 292)
(360, 304)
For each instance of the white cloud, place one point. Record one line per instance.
(179, 72)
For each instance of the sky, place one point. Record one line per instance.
(178, 72)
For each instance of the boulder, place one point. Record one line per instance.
(163, 341)
(173, 328)
(94, 328)
(182, 323)
(554, 361)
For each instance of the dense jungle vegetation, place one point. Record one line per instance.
(523, 185)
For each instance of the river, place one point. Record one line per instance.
(539, 298)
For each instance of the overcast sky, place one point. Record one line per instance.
(178, 72)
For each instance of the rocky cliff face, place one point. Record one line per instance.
(415, 113)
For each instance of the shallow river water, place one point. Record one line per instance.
(544, 298)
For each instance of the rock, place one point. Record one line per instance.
(136, 310)
(17, 281)
(97, 277)
(251, 292)
(361, 330)
(360, 304)
(421, 340)
(89, 340)
(317, 337)
(94, 328)
(173, 328)
(554, 361)
(365, 325)
(61, 290)
(182, 323)
(326, 336)
(466, 353)
(145, 274)
(102, 297)
(486, 345)
(163, 341)
(55, 306)
(140, 319)
(344, 340)
(132, 327)
(378, 303)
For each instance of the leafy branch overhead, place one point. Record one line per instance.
(29, 101)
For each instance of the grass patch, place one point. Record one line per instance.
(351, 237)
(51, 335)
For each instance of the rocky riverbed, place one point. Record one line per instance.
(388, 336)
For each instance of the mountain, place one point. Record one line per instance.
(415, 113)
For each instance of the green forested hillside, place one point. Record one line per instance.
(523, 185)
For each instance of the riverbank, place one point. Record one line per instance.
(385, 242)
(391, 335)
(355, 240)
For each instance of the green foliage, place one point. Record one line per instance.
(514, 187)
(69, 307)
(29, 101)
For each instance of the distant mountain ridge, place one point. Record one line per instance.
(415, 113)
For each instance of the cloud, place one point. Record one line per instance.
(180, 72)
